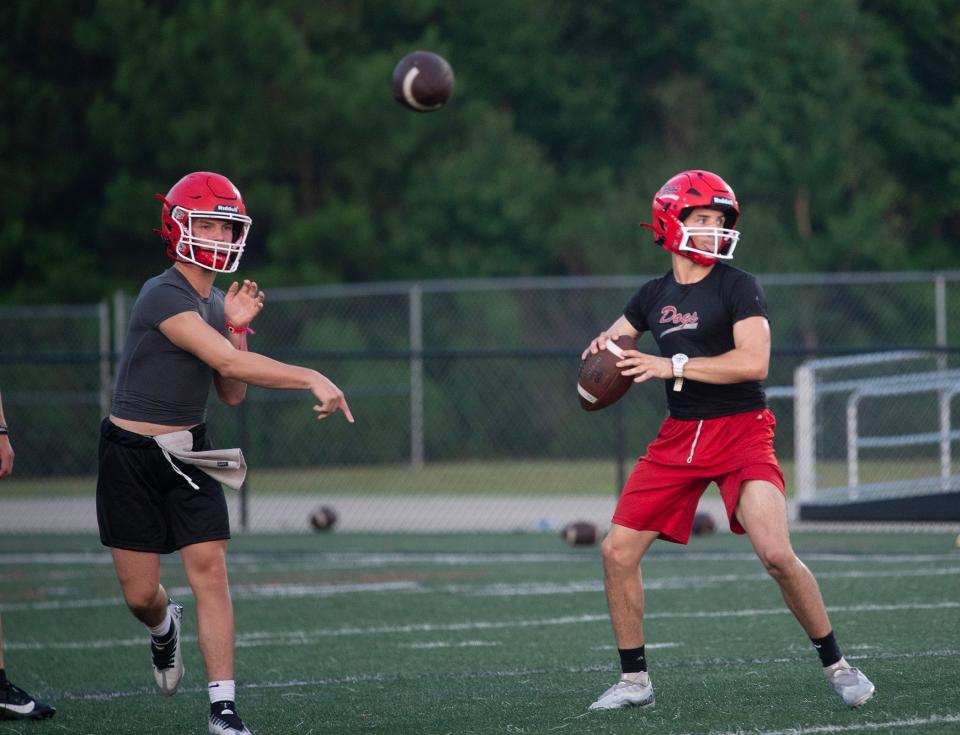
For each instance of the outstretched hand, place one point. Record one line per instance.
(331, 399)
(241, 304)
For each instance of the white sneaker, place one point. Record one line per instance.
(627, 693)
(167, 654)
(853, 687)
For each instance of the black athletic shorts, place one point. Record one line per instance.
(144, 505)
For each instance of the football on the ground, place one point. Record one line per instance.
(600, 382)
(580, 533)
(703, 524)
(423, 81)
(323, 518)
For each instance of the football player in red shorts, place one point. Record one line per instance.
(709, 321)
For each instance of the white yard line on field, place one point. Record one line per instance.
(337, 560)
(911, 722)
(298, 637)
(387, 678)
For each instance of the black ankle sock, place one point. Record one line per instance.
(827, 649)
(3, 677)
(632, 660)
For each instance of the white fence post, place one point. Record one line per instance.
(853, 438)
(805, 432)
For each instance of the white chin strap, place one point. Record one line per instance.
(722, 239)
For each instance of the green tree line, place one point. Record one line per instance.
(836, 121)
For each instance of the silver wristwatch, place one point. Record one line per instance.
(679, 361)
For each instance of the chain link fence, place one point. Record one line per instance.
(464, 395)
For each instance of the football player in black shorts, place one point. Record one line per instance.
(184, 336)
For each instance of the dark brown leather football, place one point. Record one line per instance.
(600, 382)
(422, 81)
(703, 524)
(580, 533)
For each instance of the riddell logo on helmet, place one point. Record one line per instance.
(723, 200)
(228, 208)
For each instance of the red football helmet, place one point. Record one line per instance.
(672, 204)
(203, 195)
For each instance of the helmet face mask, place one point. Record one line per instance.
(204, 196)
(674, 201)
(724, 242)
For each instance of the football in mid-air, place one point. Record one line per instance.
(323, 518)
(600, 382)
(423, 81)
(580, 533)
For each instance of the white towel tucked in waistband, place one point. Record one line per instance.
(224, 465)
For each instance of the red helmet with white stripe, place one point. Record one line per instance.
(204, 195)
(673, 202)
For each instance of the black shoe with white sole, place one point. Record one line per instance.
(224, 720)
(16, 704)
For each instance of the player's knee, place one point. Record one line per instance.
(617, 556)
(141, 599)
(778, 562)
(208, 572)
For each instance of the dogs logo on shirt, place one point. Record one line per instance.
(670, 315)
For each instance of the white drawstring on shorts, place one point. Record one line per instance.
(176, 469)
(696, 438)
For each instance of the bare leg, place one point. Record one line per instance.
(762, 510)
(623, 548)
(206, 567)
(139, 575)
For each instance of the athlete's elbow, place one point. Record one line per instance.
(759, 372)
(232, 399)
(228, 368)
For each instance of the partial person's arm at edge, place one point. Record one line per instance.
(6, 448)
(189, 332)
(748, 360)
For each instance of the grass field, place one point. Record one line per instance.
(530, 477)
(463, 634)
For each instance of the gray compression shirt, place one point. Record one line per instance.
(156, 380)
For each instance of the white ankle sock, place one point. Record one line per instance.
(221, 691)
(161, 630)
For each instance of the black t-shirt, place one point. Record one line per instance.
(697, 320)
(156, 380)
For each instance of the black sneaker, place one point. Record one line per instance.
(16, 704)
(224, 720)
(167, 655)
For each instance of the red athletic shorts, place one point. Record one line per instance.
(665, 486)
